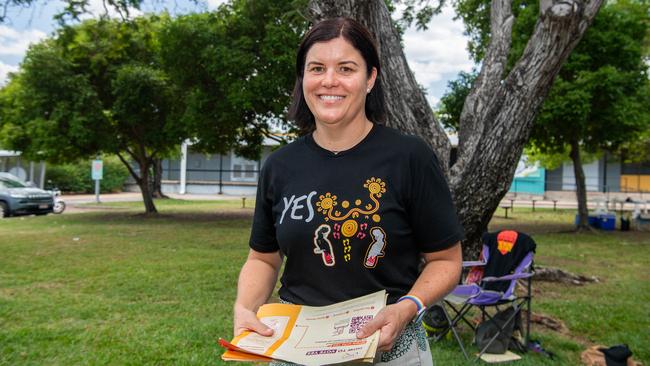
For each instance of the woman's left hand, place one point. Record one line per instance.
(391, 321)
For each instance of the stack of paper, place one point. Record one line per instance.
(310, 335)
(495, 358)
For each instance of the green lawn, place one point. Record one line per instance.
(119, 287)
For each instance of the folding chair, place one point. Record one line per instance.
(506, 258)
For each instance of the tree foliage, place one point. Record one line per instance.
(61, 103)
(554, 160)
(601, 95)
(235, 71)
(452, 102)
(75, 177)
(637, 151)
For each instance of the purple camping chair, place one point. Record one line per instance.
(506, 258)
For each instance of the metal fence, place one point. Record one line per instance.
(218, 177)
(631, 184)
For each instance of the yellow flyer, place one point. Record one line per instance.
(310, 335)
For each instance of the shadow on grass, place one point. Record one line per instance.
(194, 217)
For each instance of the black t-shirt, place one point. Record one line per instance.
(355, 222)
(507, 249)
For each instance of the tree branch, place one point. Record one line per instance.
(153, 153)
(478, 101)
(128, 166)
(273, 137)
(131, 153)
(105, 8)
(119, 7)
(5, 6)
(556, 34)
(591, 9)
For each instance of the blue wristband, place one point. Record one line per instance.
(420, 305)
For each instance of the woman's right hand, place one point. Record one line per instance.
(246, 319)
(256, 282)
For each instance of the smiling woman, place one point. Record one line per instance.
(335, 84)
(335, 56)
(352, 205)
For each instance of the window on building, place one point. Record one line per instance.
(243, 170)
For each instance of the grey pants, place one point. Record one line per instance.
(411, 349)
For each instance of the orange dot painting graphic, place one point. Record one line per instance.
(349, 228)
(327, 204)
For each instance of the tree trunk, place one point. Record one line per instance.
(581, 189)
(499, 111)
(141, 179)
(157, 179)
(145, 186)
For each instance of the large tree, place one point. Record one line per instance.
(599, 100)
(500, 109)
(94, 88)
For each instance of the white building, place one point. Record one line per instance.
(199, 173)
(11, 162)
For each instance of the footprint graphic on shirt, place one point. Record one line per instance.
(323, 245)
(376, 248)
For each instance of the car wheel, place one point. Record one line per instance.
(4, 210)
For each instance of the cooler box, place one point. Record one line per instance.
(593, 221)
(607, 221)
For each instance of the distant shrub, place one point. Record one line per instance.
(76, 177)
(67, 177)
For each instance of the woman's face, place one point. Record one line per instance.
(335, 82)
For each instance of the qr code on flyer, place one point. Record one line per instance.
(357, 322)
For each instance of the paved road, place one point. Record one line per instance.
(84, 202)
(78, 199)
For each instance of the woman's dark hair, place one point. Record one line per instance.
(359, 37)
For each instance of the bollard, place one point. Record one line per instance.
(243, 202)
(533, 205)
(554, 204)
(512, 205)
